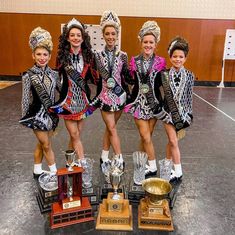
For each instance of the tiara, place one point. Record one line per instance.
(110, 18)
(171, 46)
(74, 22)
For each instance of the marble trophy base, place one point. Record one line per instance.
(136, 192)
(45, 199)
(115, 214)
(93, 195)
(154, 217)
(64, 217)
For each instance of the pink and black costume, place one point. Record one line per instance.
(146, 100)
(112, 89)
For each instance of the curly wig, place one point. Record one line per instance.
(63, 56)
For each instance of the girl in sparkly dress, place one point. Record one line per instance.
(146, 101)
(113, 69)
(74, 61)
(178, 89)
(38, 94)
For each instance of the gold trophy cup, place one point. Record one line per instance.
(153, 211)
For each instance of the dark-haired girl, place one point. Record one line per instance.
(178, 86)
(74, 62)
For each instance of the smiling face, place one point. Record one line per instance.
(110, 36)
(41, 57)
(148, 45)
(75, 38)
(178, 59)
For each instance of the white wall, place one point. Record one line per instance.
(201, 9)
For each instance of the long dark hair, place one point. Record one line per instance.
(63, 55)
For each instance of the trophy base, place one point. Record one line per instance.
(92, 194)
(63, 217)
(115, 215)
(106, 189)
(136, 193)
(45, 199)
(154, 217)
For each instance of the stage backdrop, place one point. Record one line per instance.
(202, 23)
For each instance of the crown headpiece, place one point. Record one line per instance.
(110, 18)
(74, 22)
(171, 46)
(150, 27)
(40, 38)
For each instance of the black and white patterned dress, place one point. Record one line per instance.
(181, 85)
(32, 107)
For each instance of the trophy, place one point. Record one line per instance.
(70, 158)
(165, 173)
(87, 187)
(136, 192)
(165, 168)
(106, 169)
(153, 210)
(115, 213)
(72, 207)
(47, 191)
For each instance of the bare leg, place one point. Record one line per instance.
(152, 122)
(106, 138)
(70, 146)
(168, 151)
(38, 154)
(44, 140)
(109, 119)
(145, 135)
(74, 128)
(172, 146)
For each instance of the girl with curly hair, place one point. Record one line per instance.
(75, 65)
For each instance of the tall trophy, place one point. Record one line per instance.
(153, 211)
(106, 169)
(136, 192)
(115, 213)
(88, 190)
(72, 207)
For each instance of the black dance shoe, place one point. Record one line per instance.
(174, 178)
(149, 173)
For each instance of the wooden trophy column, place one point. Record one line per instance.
(71, 209)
